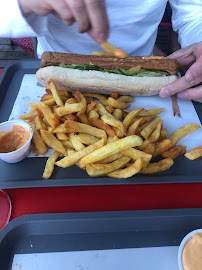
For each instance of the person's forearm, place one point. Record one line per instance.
(15, 25)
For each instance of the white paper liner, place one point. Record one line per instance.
(31, 91)
(158, 258)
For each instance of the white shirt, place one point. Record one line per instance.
(133, 26)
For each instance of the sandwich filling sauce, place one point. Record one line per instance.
(13, 140)
(192, 253)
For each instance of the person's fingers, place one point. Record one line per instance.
(78, 10)
(97, 14)
(198, 100)
(175, 87)
(194, 73)
(193, 93)
(184, 56)
(62, 12)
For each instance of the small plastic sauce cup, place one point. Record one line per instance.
(21, 153)
(184, 240)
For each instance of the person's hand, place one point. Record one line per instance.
(191, 58)
(90, 15)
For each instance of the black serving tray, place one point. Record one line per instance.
(95, 231)
(28, 173)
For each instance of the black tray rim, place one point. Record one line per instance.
(102, 215)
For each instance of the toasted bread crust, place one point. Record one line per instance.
(106, 62)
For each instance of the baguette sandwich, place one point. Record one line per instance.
(136, 76)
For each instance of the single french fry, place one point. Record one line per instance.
(110, 120)
(81, 100)
(127, 120)
(50, 165)
(75, 142)
(102, 125)
(55, 93)
(147, 131)
(95, 170)
(40, 146)
(126, 99)
(174, 151)
(75, 157)
(128, 172)
(93, 114)
(163, 134)
(150, 112)
(132, 129)
(117, 104)
(162, 147)
(62, 136)
(110, 149)
(72, 126)
(102, 53)
(69, 109)
(182, 132)
(137, 154)
(87, 139)
(30, 115)
(109, 48)
(157, 167)
(118, 114)
(39, 123)
(52, 142)
(195, 153)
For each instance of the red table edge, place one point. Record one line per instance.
(104, 198)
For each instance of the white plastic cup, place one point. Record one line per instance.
(21, 153)
(184, 240)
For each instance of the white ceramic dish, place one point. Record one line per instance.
(21, 153)
(184, 240)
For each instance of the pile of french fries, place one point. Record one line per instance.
(99, 134)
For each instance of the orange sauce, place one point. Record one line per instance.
(13, 140)
(192, 253)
